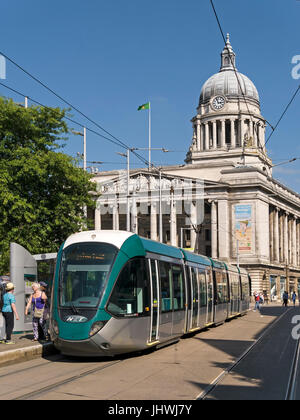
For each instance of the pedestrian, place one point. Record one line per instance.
(294, 297)
(37, 300)
(256, 299)
(44, 288)
(9, 312)
(261, 299)
(285, 298)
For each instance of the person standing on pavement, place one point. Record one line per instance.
(256, 299)
(294, 297)
(44, 288)
(37, 300)
(9, 311)
(285, 298)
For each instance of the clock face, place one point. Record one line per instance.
(218, 102)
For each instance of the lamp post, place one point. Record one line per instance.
(160, 192)
(128, 177)
(79, 133)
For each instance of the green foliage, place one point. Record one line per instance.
(42, 192)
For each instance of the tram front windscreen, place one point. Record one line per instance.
(84, 272)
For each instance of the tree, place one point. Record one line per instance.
(42, 192)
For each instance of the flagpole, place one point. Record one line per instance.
(149, 136)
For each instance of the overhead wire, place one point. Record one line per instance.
(261, 147)
(290, 102)
(77, 123)
(284, 112)
(120, 142)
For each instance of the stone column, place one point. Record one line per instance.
(223, 229)
(285, 239)
(97, 216)
(115, 217)
(153, 222)
(251, 128)
(276, 234)
(173, 225)
(271, 234)
(290, 240)
(214, 135)
(134, 218)
(214, 231)
(298, 242)
(193, 219)
(206, 147)
(294, 241)
(232, 133)
(262, 136)
(281, 238)
(198, 135)
(242, 131)
(223, 144)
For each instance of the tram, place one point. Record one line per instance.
(115, 292)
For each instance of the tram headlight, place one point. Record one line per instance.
(55, 327)
(96, 327)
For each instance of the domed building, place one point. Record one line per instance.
(228, 125)
(223, 202)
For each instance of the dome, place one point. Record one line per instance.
(228, 82)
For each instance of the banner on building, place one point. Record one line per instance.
(243, 227)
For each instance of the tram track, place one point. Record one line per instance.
(291, 388)
(292, 384)
(55, 385)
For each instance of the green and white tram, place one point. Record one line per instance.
(115, 292)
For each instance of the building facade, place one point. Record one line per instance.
(223, 202)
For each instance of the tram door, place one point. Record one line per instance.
(194, 296)
(210, 298)
(154, 281)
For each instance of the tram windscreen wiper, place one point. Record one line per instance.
(75, 310)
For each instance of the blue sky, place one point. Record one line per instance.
(109, 57)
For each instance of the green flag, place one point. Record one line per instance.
(144, 106)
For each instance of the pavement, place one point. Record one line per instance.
(25, 349)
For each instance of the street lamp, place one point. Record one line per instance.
(160, 192)
(127, 212)
(79, 133)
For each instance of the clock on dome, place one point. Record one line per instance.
(218, 102)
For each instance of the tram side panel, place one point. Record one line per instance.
(221, 295)
(234, 289)
(245, 293)
(129, 306)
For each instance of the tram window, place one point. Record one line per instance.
(221, 284)
(233, 277)
(245, 288)
(165, 271)
(202, 288)
(130, 295)
(178, 287)
(84, 272)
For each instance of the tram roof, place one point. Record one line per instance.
(243, 270)
(159, 248)
(195, 258)
(217, 264)
(230, 267)
(114, 237)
